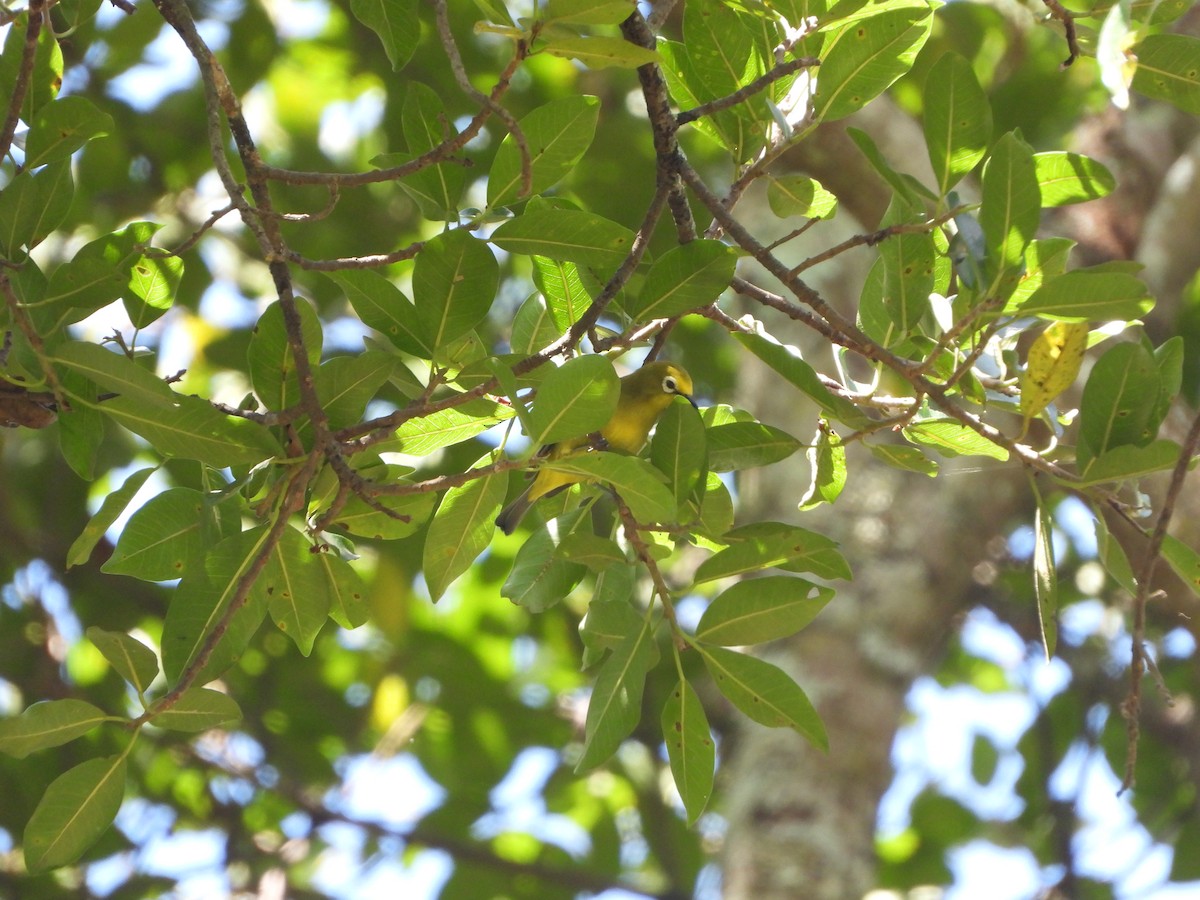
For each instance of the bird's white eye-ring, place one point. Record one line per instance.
(669, 386)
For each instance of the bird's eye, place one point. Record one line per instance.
(669, 385)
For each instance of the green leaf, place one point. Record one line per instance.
(1012, 203)
(46, 77)
(566, 234)
(438, 188)
(575, 399)
(346, 384)
(638, 483)
(557, 134)
(764, 692)
(50, 723)
(190, 428)
(615, 706)
(197, 709)
(910, 459)
(734, 129)
(690, 748)
(1045, 574)
(766, 544)
(1045, 259)
(606, 625)
(421, 435)
(598, 52)
(566, 297)
(293, 586)
(908, 268)
(201, 601)
(786, 361)
(679, 450)
(345, 588)
(591, 550)
(396, 23)
(827, 457)
(1065, 178)
(461, 529)
(411, 511)
(588, 12)
(1128, 462)
(113, 372)
(744, 445)
(762, 609)
(272, 366)
(686, 277)
(382, 306)
(61, 127)
(77, 808)
(132, 660)
(1112, 555)
(908, 190)
(799, 195)
(153, 284)
(1114, 410)
(164, 539)
(533, 326)
(78, 288)
(454, 282)
(32, 205)
(540, 578)
(958, 120)
(1184, 561)
(1168, 68)
(952, 438)
(110, 510)
(1090, 294)
(861, 59)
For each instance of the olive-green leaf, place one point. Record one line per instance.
(1168, 68)
(615, 706)
(197, 709)
(382, 306)
(132, 660)
(764, 692)
(679, 450)
(461, 529)
(1090, 294)
(575, 399)
(690, 748)
(762, 609)
(639, 484)
(454, 282)
(951, 437)
(49, 723)
(764, 545)
(77, 808)
(557, 135)
(958, 120)
(686, 277)
(1065, 178)
(63, 126)
(396, 24)
(110, 510)
(566, 234)
(32, 205)
(162, 540)
(744, 445)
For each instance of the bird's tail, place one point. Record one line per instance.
(510, 517)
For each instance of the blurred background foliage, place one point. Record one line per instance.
(434, 746)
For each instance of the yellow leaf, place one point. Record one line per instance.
(1052, 366)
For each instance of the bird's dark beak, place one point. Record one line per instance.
(692, 400)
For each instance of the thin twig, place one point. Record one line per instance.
(442, 17)
(1068, 22)
(356, 262)
(1132, 706)
(781, 70)
(24, 73)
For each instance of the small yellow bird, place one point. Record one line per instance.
(645, 395)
